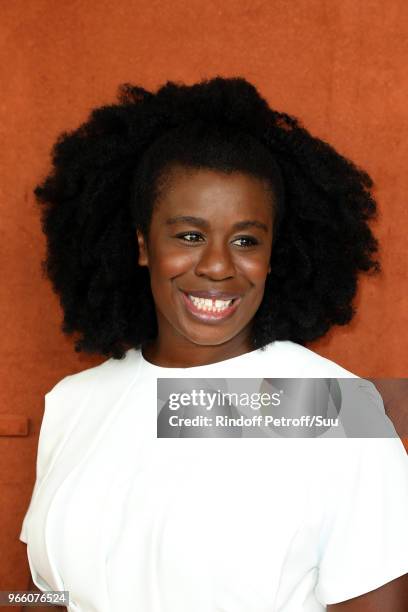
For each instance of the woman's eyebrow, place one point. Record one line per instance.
(200, 222)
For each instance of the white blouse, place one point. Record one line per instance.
(129, 522)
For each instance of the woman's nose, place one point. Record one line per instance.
(215, 261)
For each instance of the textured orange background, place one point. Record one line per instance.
(340, 66)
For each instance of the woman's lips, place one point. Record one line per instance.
(205, 315)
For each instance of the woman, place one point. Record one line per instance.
(196, 232)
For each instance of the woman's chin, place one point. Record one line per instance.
(208, 335)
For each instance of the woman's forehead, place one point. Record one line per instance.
(204, 188)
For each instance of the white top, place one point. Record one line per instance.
(127, 521)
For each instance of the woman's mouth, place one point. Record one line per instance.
(210, 310)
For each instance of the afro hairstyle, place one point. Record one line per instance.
(106, 176)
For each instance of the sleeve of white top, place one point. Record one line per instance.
(51, 429)
(364, 539)
(43, 457)
(60, 404)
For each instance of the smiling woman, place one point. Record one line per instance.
(196, 232)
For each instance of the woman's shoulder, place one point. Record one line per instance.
(88, 393)
(111, 371)
(91, 387)
(295, 360)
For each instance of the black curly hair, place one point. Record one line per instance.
(106, 177)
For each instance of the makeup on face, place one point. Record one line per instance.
(208, 256)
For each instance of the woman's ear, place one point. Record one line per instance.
(143, 257)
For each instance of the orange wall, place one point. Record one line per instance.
(340, 66)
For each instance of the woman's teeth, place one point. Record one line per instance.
(210, 305)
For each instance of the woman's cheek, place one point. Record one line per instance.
(177, 263)
(254, 270)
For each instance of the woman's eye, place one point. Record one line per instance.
(188, 234)
(248, 239)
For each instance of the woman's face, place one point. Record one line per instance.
(210, 234)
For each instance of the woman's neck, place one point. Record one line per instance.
(185, 354)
